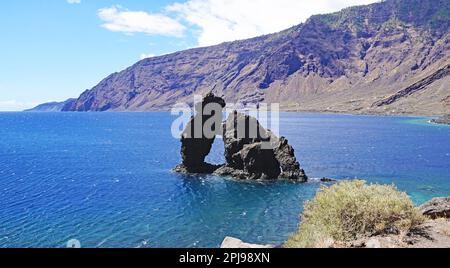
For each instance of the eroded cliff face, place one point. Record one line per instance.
(345, 62)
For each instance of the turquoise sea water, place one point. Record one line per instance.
(105, 178)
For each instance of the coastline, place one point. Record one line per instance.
(427, 118)
(423, 115)
(445, 119)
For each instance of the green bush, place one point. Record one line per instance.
(352, 210)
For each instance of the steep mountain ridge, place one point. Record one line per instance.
(348, 61)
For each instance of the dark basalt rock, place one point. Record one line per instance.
(238, 131)
(203, 168)
(195, 144)
(325, 179)
(285, 155)
(252, 152)
(442, 120)
(257, 163)
(437, 208)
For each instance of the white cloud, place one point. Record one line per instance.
(227, 20)
(217, 21)
(144, 56)
(74, 1)
(118, 19)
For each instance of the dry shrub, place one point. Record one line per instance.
(352, 210)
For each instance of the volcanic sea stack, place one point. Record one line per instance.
(251, 151)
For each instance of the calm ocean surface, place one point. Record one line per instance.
(105, 178)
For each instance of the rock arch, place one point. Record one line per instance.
(247, 156)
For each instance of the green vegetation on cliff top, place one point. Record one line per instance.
(430, 14)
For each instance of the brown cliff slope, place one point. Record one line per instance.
(340, 62)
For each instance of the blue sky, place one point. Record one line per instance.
(51, 50)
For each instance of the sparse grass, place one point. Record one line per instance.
(445, 231)
(351, 210)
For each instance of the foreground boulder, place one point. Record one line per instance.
(195, 144)
(234, 243)
(252, 152)
(437, 208)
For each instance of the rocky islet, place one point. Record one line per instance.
(251, 151)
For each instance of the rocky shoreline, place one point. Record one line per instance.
(442, 120)
(54, 107)
(433, 233)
